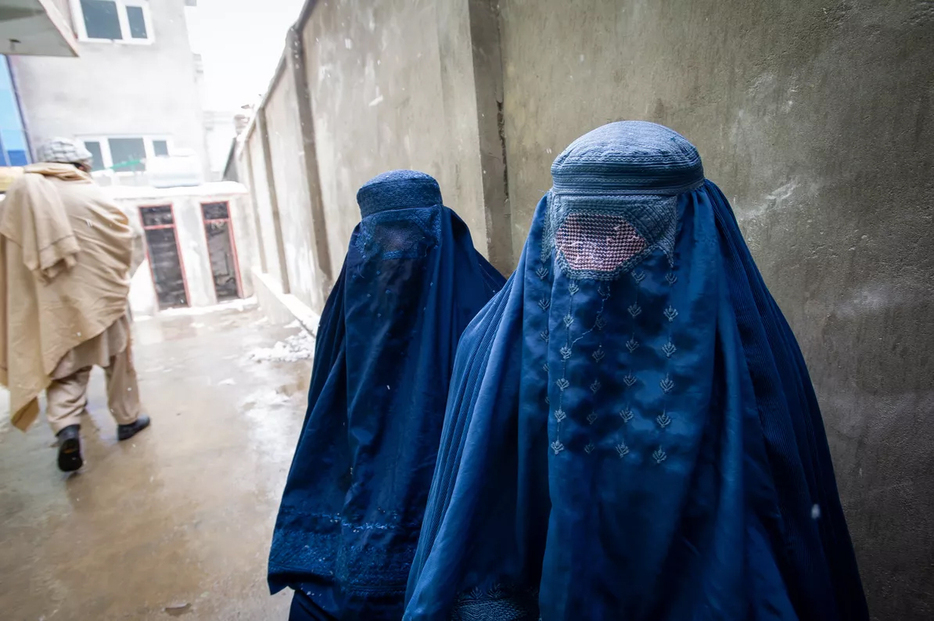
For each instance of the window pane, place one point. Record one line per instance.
(100, 19)
(14, 152)
(128, 154)
(95, 148)
(134, 15)
(17, 157)
(157, 216)
(214, 211)
(160, 147)
(14, 147)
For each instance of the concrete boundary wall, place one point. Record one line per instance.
(816, 120)
(288, 172)
(264, 194)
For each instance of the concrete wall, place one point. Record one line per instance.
(288, 166)
(189, 230)
(817, 121)
(219, 132)
(117, 89)
(362, 90)
(381, 95)
(63, 7)
(245, 174)
(263, 204)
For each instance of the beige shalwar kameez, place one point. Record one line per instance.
(66, 255)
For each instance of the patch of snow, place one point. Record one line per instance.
(297, 347)
(293, 325)
(227, 382)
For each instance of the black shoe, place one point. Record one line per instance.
(125, 432)
(69, 449)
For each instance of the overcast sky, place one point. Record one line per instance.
(240, 42)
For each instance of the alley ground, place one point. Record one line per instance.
(175, 522)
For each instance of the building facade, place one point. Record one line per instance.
(198, 245)
(131, 95)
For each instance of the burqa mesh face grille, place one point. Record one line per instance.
(597, 242)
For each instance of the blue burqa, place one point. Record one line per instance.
(631, 433)
(355, 495)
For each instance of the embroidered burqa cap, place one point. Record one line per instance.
(631, 432)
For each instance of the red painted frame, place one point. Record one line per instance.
(178, 250)
(233, 243)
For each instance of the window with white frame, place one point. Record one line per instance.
(125, 154)
(128, 21)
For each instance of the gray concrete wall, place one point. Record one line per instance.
(219, 132)
(817, 121)
(117, 89)
(241, 214)
(245, 174)
(263, 206)
(378, 91)
(288, 165)
(63, 7)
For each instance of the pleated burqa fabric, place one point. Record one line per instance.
(631, 432)
(355, 495)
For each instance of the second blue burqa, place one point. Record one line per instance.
(631, 433)
(353, 503)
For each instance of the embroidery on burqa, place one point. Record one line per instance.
(499, 602)
(601, 243)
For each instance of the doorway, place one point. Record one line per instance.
(222, 250)
(165, 257)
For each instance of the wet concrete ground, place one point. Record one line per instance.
(175, 522)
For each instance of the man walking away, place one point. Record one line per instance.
(66, 257)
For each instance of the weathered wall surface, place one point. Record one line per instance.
(378, 96)
(219, 131)
(288, 166)
(154, 83)
(263, 205)
(241, 213)
(245, 173)
(817, 121)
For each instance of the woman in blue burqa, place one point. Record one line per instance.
(355, 495)
(631, 434)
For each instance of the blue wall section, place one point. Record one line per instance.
(14, 150)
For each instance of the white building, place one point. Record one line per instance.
(131, 94)
(198, 244)
(125, 81)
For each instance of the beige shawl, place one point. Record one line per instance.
(65, 254)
